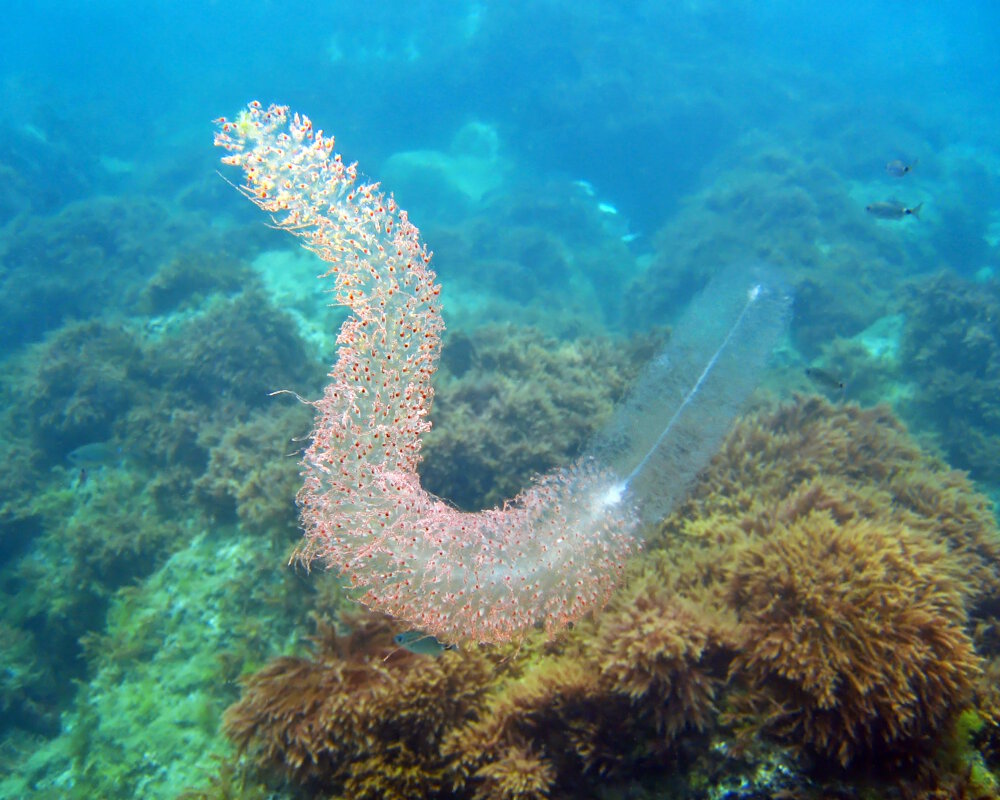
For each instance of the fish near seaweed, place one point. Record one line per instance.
(423, 644)
(893, 209)
(827, 380)
(96, 454)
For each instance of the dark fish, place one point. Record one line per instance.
(422, 643)
(826, 379)
(893, 209)
(898, 168)
(81, 479)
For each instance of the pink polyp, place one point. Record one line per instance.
(545, 558)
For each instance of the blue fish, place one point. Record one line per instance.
(421, 643)
(95, 454)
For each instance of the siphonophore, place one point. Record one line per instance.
(688, 396)
(556, 550)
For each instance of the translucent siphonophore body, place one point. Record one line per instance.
(552, 553)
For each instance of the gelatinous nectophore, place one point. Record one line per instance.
(556, 550)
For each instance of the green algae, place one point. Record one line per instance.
(147, 722)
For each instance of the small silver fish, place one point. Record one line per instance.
(893, 209)
(898, 168)
(423, 644)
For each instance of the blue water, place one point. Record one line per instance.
(580, 170)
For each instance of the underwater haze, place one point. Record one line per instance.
(818, 614)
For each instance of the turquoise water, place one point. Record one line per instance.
(580, 170)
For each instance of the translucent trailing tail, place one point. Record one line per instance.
(686, 399)
(556, 550)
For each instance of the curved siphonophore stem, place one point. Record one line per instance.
(543, 559)
(546, 557)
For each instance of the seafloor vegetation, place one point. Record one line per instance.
(822, 608)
